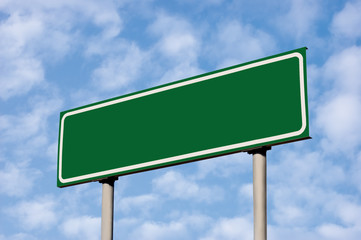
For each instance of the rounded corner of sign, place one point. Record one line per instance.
(61, 179)
(299, 56)
(302, 129)
(65, 116)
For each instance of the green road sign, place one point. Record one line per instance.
(259, 103)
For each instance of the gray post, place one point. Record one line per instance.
(260, 193)
(107, 208)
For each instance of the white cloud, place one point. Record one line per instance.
(73, 200)
(345, 209)
(160, 231)
(20, 70)
(104, 15)
(41, 32)
(300, 186)
(17, 179)
(52, 153)
(343, 70)
(339, 111)
(346, 23)
(326, 231)
(35, 214)
(294, 233)
(299, 21)
(123, 226)
(64, 13)
(176, 186)
(18, 236)
(178, 41)
(185, 227)
(18, 31)
(246, 191)
(230, 229)
(350, 213)
(355, 171)
(301, 195)
(298, 168)
(174, 55)
(84, 227)
(178, 72)
(24, 137)
(30, 124)
(143, 202)
(225, 166)
(333, 231)
(234, 43)
(290, 215)
(340, 119)
(119, 71)
(179, 45)
(196, 222)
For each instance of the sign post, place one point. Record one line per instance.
(107, 208)
(260, 193)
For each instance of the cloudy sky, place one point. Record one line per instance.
(60, 54)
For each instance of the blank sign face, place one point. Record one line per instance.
(260, 103)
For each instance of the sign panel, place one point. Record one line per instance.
(259, 103)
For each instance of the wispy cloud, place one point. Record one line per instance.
(299, 21)
(82, 227)
(345, 23)
(234, 42)
(38, 213)
(229, 229)
(176, 186)
(20, 70)
(120, 69)
(339, 111)
(19, 179)
(143, 203)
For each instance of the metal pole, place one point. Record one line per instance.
(260, 193)
(107, 208)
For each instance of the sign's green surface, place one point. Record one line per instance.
(260, 103)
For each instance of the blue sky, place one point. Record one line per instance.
(56, 55)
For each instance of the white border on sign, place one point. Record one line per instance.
(193, 154)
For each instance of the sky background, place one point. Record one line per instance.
(60, 54)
